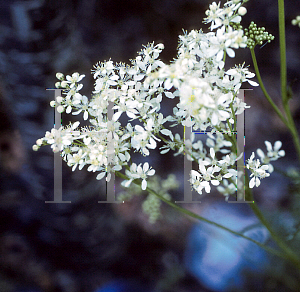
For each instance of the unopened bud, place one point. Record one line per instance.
(35, 147)
(60, 76)
(60, 109)
(160, 46)
(39, 142)
(64, 84)
(52, 103)
(59, 99)
(242, 11)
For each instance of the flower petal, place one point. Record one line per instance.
(144, 184)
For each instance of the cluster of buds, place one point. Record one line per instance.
(257, 35)
(296, 21)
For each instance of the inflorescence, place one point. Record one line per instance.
(257, 35)
(206, 96)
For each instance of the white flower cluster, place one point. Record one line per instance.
(211, 170)
(231, 13)
(105, 146)
(197, 79)
(259, 168)
(205, 89)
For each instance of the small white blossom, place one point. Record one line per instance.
(272, 155)
(258, 171)
(137, 172)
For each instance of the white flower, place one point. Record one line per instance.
(83, 106)
(95, 161)
(226, 162)
(35, 147)
(77, 159)
(239, 40)
(72, 80)
(102, 69)
(137, 172)
(240, 75)
(215, 15)
(127, 106)
(208, 174)
(227, 189)
(258, 171)
(39, 142)
(144, 138)
(274, 153)
(58, 139)
(202, 179)
(224, 42)
(60, 76)
(197, 183)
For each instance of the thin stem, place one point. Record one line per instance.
(283, 77)
(289, 254)
(280, 242)
(293, 130)
(289, 122)
(264, 89)
(282, 45)
(196, 216)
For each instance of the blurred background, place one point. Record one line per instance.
(85, 246)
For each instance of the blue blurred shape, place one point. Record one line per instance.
(121, 285)
(216, 257)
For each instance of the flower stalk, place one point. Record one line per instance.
(283, 255)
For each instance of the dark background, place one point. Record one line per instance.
(38, 38)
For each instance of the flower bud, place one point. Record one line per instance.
(60, 109)
(35, 147)
(52, 103)
(60, 76)
(55, 149)
(59, 99)
(64, 84)
(242, 11)
(39, 142)
(160, 46)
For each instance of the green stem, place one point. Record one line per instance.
(264, 89)
(282, 45)
(289, 122)
(293, 130)
(288, 252)
(283, 77)
(280, 242)
(196, 216)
